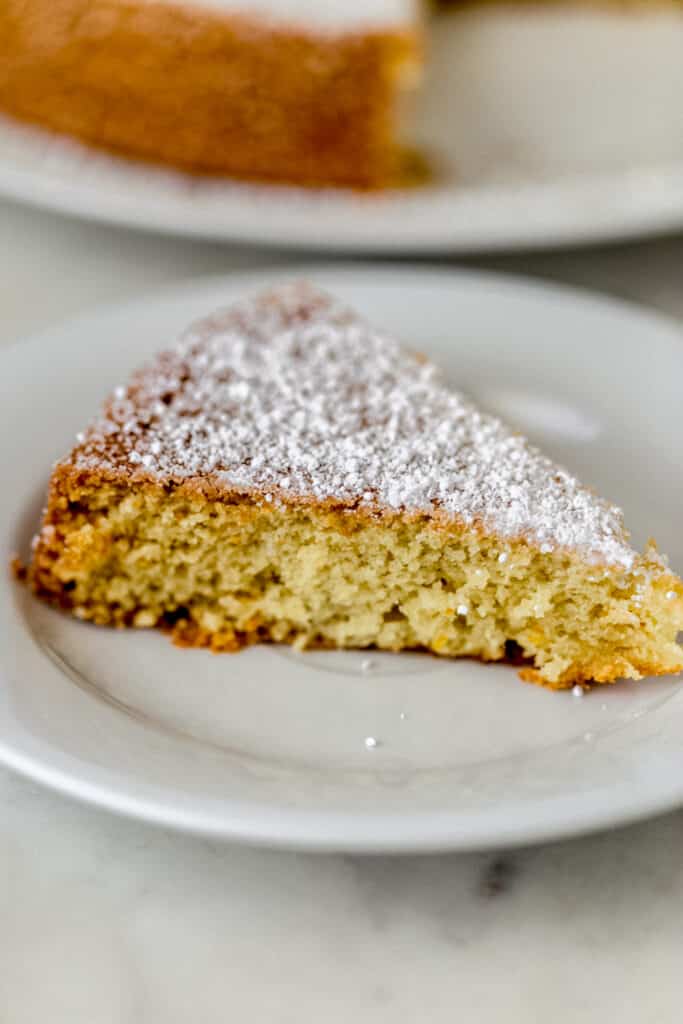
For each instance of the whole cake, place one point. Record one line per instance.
(312, 93)
(281, 90)
(288, 473)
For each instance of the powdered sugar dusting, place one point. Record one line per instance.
(292, 396)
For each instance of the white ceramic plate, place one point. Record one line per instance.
(547, 127)
(268, 745)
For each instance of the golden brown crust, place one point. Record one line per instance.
(70, 481)
(205, 91)
(600, 672)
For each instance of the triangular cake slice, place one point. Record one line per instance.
(288, 473)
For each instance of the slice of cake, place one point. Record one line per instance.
(288, 473)
(273, 90)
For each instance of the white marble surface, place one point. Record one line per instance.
(104, 921)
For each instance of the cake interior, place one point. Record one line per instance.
(224, 573)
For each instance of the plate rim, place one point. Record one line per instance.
(427, 831)
(430, 832)
(580, 209)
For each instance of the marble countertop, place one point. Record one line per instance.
(106, 921)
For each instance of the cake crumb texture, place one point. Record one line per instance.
(288, 473)
(225, 574)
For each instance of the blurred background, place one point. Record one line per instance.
(390, 126)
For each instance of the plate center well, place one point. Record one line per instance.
(335, 710)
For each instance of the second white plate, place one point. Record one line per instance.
(529, 150)
(269, 745)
